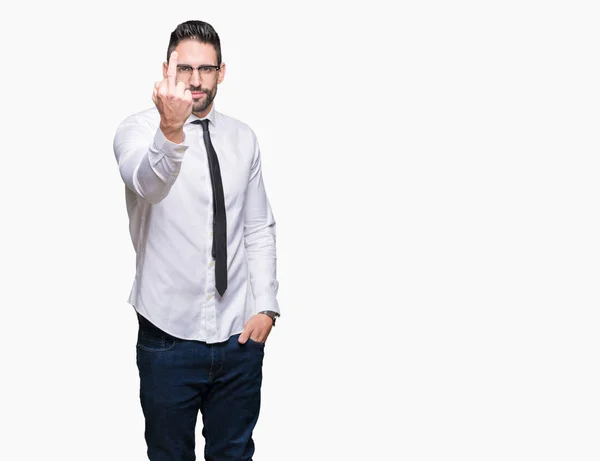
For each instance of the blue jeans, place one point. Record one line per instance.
(179, 378)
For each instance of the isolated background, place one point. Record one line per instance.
(433, 169)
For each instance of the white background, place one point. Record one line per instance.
(434, 175)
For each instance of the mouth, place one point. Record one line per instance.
(197, 94)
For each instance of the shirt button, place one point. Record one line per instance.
(209, 296)
(212, 264)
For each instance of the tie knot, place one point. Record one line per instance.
(203, 122)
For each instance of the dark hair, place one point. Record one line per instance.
(195, 30)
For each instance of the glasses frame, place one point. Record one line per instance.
(203, 66)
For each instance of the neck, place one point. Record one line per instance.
(205, 112)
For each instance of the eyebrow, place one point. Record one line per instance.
(201, 65)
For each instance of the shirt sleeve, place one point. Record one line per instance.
(148, 162)
(259, 236)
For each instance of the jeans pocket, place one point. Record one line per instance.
(257, 343)
(152, 339)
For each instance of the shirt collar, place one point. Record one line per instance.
(211, 117)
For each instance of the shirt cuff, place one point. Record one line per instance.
(267, 303)
(169, 148)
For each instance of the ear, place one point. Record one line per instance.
(221, 73)
(165, 67)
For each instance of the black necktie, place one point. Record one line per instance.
(219, 244)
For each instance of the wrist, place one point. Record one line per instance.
(172, 133)
(271, 314)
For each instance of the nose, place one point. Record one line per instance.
(196, 79)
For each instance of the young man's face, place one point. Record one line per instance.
(202, 83)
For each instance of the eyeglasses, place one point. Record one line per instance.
(185, 72)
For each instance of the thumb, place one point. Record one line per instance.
(244, 336)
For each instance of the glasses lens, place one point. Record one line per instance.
(184, 72)
(206, 71)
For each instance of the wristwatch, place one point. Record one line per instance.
(271, 314)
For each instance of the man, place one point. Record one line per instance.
(204, 234)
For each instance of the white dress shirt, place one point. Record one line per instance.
(169, 203)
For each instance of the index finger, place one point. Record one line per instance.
(172, 69)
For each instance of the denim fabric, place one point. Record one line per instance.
(180, 379)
